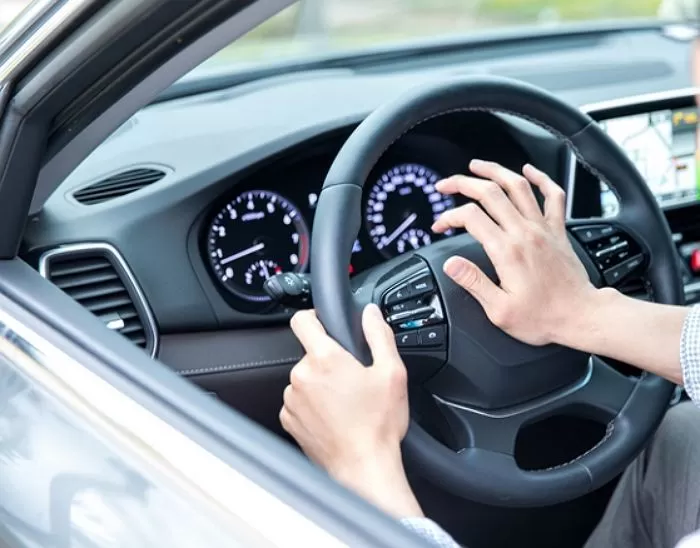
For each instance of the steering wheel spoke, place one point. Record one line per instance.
(600, 394)
(610, 249)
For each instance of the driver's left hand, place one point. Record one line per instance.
(348, 418)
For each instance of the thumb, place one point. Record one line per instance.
(466, 274)
(380, 337)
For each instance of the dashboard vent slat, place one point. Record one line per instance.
(118, 185)
(97, 277)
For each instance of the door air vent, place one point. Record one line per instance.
(96, 276)
(118, 185)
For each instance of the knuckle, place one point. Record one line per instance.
(501, 316)
(284, 418)
(323, 354)
(520, 184)
(297, 376)
(396, 376)
(286, 395)
(470, 211)
(556, 191)
(491, 191)
(535, 237)
(512, 251)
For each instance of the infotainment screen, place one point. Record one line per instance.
(663, 146)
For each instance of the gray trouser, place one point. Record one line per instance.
(657, 501)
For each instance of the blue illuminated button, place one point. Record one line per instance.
(412, 324)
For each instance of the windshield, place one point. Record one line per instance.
(319, 27)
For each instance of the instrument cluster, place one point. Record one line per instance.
(263, 225)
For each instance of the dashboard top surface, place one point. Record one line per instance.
(210, 143)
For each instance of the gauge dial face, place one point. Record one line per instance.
(402, 206)
(255, 236)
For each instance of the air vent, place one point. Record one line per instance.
(97, 277)
(118, 185)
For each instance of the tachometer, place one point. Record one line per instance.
(255, 236)
(401, 208)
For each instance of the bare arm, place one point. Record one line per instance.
(640, 333)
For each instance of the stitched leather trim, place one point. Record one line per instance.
(238, 366)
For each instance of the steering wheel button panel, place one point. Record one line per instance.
(405, 306)
(614, 275)
(422, 285)
(401, 293)
(432, 336)
(586, 234)
(409, 338)
(615, 253)
(420, 313)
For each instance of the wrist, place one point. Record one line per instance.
(379, 477)
(583, 327)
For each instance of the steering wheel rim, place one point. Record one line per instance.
(484, 422)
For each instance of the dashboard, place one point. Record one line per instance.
(240, 172)
(261, 226)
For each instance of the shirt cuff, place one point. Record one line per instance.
(690, 354)
(430, 531)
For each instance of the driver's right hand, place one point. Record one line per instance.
(544, 288)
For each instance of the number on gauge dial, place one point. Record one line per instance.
(402, 206)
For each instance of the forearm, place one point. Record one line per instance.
(380, 478)
(643, 334)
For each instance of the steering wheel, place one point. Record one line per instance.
(485, 385)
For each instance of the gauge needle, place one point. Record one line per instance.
(403, 226)
(244, 253)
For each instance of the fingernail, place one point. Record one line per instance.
(476, 162)
(453, 267)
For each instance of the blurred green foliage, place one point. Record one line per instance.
(571, 9)
(342, 24)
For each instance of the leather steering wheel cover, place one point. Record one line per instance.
(477, 474)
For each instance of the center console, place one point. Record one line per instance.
(659, 133)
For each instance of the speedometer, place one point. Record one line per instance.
(256, 235)
(402, 206)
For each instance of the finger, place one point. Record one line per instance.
(489, 194)
(286, 395)
(288, 421)
(380, 337)
(466, 274)
(554, 195)
(290, 398)
(311, 334)
(517, 187)
(299, 375)
(473, 219)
